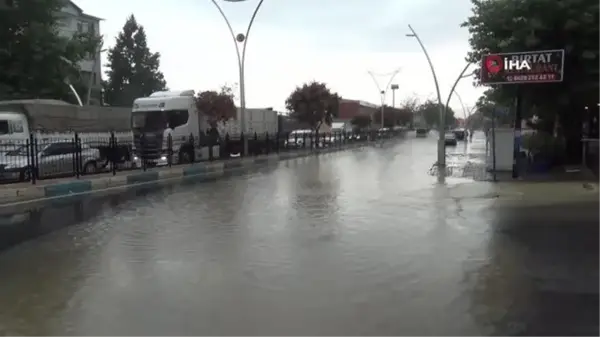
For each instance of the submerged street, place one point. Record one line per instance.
(359, 242)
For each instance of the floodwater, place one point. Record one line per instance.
(362, 242)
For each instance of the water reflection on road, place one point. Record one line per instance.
(358, 242)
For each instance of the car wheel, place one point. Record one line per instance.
(90, 168)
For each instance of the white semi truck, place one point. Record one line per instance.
(52, 125)
(53, 119)
(175, 113)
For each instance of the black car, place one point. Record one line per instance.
(460, 134)
(422, 132)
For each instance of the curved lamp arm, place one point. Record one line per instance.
(437, 86)
(237, 49)
(383, 92)
(248, 30)
(456, 83)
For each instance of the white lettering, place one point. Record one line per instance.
(516, 64)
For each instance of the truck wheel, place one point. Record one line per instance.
(184, 156)
(90, 168)
(26, 174)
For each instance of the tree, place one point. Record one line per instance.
(36, 61)
(361, 121)
(133, 69)
(431, 113)
(314, 104)
(217, 105)
(515, 25)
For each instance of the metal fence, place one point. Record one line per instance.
(35, 158)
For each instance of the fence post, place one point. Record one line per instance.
(226, 147)
(76, 156)
(267, 143)
(114, 149)
(170, 150)
(33, 156)
(211, 142)
(241, 143)
(192, 149)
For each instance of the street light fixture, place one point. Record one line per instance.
(441, 162)
(383, 92)
(241, 57)
(394, 87)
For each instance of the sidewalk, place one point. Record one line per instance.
(527, 193)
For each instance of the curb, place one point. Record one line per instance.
(192, 172)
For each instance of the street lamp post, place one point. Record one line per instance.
(241, 57)
(441, 162)
(383, 92)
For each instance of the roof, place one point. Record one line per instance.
(362, 103)
(81, 13)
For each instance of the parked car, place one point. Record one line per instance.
(52, 159)
(450, 138)
(460, 134)
(422, 132)
(297, 138)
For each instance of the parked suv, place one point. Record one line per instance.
(52, 159)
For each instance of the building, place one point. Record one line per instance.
(73, 20)
(352, 108)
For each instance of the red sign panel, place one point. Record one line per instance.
(544, 66)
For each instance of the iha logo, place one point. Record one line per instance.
(494, 64)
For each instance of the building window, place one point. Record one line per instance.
(80, 27)
(92, 29)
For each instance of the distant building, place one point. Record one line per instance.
(73, 20)
(351, 108)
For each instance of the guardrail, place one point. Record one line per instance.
(36, 159)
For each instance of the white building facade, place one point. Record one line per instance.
(74, 20)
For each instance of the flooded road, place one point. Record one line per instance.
(361, 242)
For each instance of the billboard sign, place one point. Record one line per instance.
(543, 66)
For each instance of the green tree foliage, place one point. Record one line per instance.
(314, 104)
(361, 121)
(35, 60)
(431, 113)
(515, 25)
(217, 105)
(133, 69)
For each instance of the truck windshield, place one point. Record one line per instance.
(148, 120)
(158, 120)
(4, 129)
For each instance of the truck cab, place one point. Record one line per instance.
(164, 114)
(14, 128)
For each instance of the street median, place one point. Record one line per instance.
(125, 180)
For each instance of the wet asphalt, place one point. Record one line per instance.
(360, 242)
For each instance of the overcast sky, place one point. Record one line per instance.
(294, 41)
